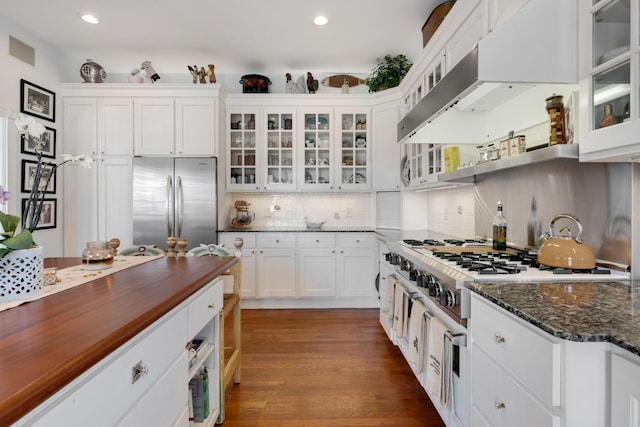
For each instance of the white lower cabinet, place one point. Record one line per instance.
(144, 382)
(515, 370)
(356, 264)
(336, 266)
(276, 265)
(625, 390)
(316, 264)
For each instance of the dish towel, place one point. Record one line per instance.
(437, 329)
(415, 335)
(446, 392)
(398, 309)
(423, 352)
(387, 309)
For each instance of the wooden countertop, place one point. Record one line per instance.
(45, 344)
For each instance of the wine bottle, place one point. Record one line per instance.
(499, 229)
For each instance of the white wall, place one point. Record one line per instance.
(46, 73)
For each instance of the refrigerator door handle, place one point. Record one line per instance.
(179, 205)
(169, 206)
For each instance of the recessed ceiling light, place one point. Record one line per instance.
(320, 20)
(90, 19)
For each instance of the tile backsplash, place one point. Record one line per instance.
(290, 210)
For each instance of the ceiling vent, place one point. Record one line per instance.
(22, 51)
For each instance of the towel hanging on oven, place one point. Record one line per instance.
(439, 381)
(415, 338)
(398, 309)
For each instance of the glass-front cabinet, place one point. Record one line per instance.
(353, 152)
(317, 169)
(610, 125)
(243, 155)
(280, 151)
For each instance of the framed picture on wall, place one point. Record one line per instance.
(37, 101)
(48, 215)
(29, 172)
(46, 143)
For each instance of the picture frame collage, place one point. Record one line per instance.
(40, 103)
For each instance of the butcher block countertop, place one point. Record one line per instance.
(45, 344)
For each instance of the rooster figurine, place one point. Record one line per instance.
(312, 84)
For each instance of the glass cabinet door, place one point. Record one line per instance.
(416, 164)
(317, 151)
(280, 151)
(611, 78)
(354, 150)
(242, 150)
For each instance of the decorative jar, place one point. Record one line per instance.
(97, 256)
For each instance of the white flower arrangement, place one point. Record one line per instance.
(10, 241)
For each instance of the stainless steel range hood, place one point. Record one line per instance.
(538, 44)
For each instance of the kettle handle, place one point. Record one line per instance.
(567, 216)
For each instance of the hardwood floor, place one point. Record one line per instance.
(321, 368)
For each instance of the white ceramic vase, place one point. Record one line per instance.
(21, 274)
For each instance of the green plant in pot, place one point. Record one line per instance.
(388, 73)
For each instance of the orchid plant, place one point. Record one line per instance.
(10, 240)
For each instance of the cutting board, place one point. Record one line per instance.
(338, 80)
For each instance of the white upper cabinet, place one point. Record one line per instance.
(195, 126)
(115, 126)
(609, 44)
(154, 126)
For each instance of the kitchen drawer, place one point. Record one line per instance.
(356, 240)
(227, 238)
(205, 306)
(276, 240)
(106, 394)
(316, 240)
(502, 400)
(163, 404)
(527, 354)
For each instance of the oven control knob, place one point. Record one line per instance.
(420, 279)
(413, 275)
(448, 298)
(435, 289)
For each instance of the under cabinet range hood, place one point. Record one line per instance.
(537, 45)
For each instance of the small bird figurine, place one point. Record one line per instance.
(194, 72)
(312, 84)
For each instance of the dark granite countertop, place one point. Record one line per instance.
(580, 311)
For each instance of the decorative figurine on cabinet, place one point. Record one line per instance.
(194, 73)
(151, 73)
(312, 84)
(211, 73)
(295, 87)
(202, 74)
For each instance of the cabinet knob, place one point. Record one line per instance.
(257, 187)
(211, 306)
(317, 241)
(277, 240)
(341, 252)
(138, 371)
(333, 251)
(357, 241)
(500, 406)
(499, 339)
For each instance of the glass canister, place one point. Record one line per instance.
(555, 109)
(97, 256)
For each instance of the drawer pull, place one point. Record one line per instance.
(138, 371)
(499, 339)
(211, 306)
(500, 406)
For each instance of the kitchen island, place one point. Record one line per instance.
(49, 343)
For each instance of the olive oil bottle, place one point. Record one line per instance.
(499, 229)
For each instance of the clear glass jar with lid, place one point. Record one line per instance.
(97, 256)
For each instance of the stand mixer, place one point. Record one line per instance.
(244, 216)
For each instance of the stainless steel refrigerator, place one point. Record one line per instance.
(174, 197)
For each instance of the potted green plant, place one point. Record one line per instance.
(388, 73)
